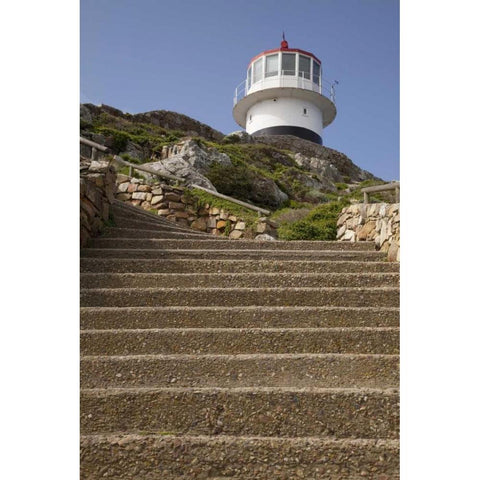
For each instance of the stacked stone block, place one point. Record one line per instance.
(378, 222)
(97, 189)
(176, 205)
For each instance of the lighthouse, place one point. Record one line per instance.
(283, 94)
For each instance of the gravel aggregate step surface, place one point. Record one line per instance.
(225, 244)
(342, 413)
(236, 340)
(170, 457)
(207, 358)
(270, 370)
(331, 296)
(224, 280)
(196, 265)
(105, 318)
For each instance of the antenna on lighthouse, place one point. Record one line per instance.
(284, 43)
(332, 90)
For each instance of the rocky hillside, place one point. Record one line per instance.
(271, 171)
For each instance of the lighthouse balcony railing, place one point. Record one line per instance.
(287, 78)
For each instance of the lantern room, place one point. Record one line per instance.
(282, 95)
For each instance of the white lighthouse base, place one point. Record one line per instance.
(285, 111)
(285, 116)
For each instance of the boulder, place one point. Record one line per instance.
(266, 192)
(191, 163)
(139, 196)
(236, 234)
(393, 251)
(199, 224)
(366, 230)
(156, 199)
(264, 238)
(240, 226)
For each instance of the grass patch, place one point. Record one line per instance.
(150, 136)
(319, 224)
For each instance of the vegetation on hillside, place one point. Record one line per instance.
(258, 173)
(320, 223)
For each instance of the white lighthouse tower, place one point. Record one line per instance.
(283, 95)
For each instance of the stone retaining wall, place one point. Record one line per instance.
(178, 205)
(378, 222)
(97, 188)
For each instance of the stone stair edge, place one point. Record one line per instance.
(238, 356)
(389, 391)
(242, 329)
(239, 438)
(272, 308)
(242, 289)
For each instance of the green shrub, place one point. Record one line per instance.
(319, 224)
(233, 180)
(290, 215)
(308, 230)
(229, 139)
(120, 140)
(129, 158)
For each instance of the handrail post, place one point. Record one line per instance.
(397, 195)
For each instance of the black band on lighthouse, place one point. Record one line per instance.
(300, 132)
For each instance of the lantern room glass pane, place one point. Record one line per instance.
(304, 67)
(288, 63)
(257, 70)
(316, 73)
(249, 77)
(271, 65)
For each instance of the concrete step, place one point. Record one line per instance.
(266, 280)
(127, 209)
(252, 411)
(158, 265)
(216, 254)
(117, 232)
(304, 296)
(147, 224)
(225, 244)
(252, 370)
(118, 318)
(379, 340)
(170, 457)
(129, 216)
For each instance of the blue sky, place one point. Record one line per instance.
(188, 56)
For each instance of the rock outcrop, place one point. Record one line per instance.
(161, 118)
(191, 163)
(327, 162)
(267, 170)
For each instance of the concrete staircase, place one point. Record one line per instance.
(204, 358)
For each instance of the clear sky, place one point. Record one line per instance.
(189, 55)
